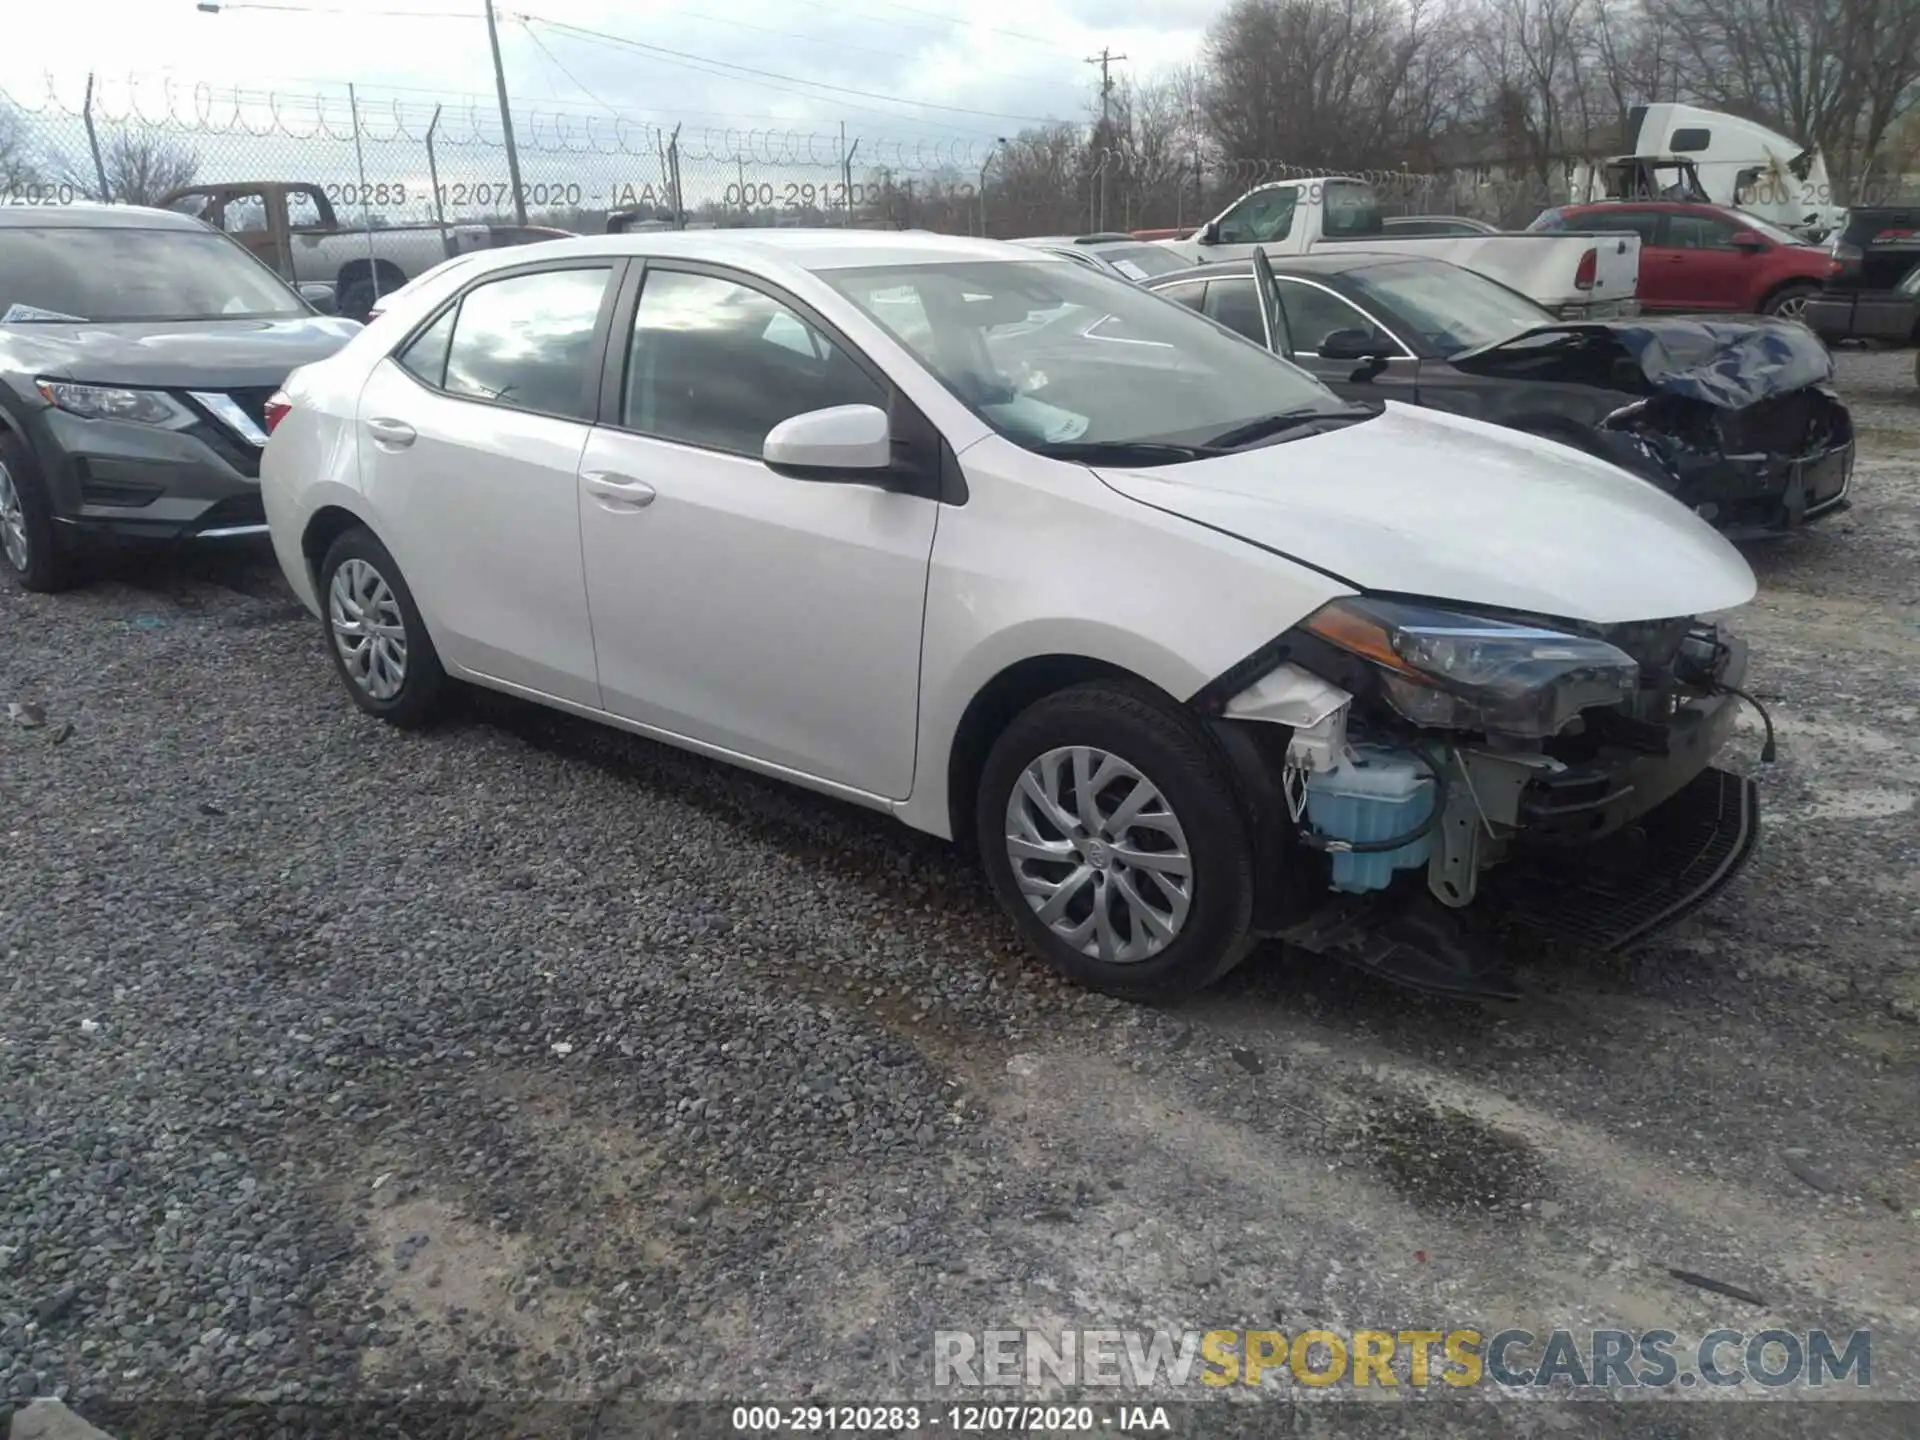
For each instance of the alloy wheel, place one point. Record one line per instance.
(1791, 308)
(1099, 854)
(13, 524)
(368, 628)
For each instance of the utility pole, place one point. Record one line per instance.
(1105, 61)
(506, 120)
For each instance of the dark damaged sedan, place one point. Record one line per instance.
(1734, 417)
(138, 351)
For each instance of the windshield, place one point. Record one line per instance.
(1050, 353)
(1143, 262)
(1453, 309)
(1768, 229)
(67, 273)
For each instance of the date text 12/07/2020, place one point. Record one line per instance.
(765, 194)
(961, 1419)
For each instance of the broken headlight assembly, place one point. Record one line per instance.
(1454, 670)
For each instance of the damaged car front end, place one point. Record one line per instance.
(1435, 774)
(1738, 420)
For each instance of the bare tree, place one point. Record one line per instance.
(1530, 56)
(18, 170)
(1316, 82)
(140, 168)
(1834, 73)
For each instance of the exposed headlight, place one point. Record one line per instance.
(1458, 671)
(109, 402)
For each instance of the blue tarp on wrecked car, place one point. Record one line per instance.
(1726, 363)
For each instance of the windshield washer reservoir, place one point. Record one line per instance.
(1376, 794)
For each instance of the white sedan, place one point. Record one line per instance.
(1029, 557)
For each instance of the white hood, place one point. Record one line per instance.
(1419, 503)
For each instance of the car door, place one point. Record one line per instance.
(1708, 272)
(470, 441)
(768, 617)
(1314, 312)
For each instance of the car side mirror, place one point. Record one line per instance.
(320, 296)
(1350, 345)
(1211, 235)
(844, 442)
(1746, 240)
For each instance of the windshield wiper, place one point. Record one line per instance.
(1123, 452)
(1268, 426)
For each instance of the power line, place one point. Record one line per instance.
(762, 75)
(842, 45)
(895, 116)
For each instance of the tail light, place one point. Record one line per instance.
(277, 408)
(1588, 272)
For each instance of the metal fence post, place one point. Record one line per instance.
(673, 161)
(433, 175)
(366, 195)
(846, 172)
(93, 144)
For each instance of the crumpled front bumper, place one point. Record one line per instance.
(1745, 497)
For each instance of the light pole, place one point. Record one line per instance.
(215, 7)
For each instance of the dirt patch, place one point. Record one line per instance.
(1440, 1158)
(448, 1281)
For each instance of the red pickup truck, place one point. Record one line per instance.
(1706, 257)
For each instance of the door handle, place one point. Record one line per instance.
(609, 485)
(396, 433)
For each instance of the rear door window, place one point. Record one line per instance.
(527, 342)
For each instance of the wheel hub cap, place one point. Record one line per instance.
(1099, 854)
(13, 523)
(368, 629)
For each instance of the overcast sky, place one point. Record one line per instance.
(1008, 64)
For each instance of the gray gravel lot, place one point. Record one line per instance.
(526, 1057)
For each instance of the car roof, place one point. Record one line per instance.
(1322, 264)
(805, 249)
(87, 215)
(1079, 242)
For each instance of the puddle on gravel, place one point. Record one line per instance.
(1440, 1158)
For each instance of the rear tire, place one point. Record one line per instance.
(355, 299)
(1143, 886)
(379, 644)
(1789, 303)
(31, 545)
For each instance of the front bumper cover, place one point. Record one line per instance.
(1746, 497)
(121, 480)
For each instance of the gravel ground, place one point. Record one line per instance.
(527, 1058)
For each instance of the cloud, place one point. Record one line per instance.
(865, 63)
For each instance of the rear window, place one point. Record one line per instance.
(1142, 262)
(1352, 210)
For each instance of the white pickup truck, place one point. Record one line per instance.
(1577, 277)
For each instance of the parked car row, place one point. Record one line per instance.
(1195, 639)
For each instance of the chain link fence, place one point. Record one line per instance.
(389, 162)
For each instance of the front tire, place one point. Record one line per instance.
(1790, 303)
(30, 543)
(379, 644)
(1112, 837)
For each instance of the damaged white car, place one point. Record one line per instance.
(1033, 559)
